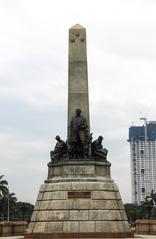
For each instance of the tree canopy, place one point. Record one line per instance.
(10, 208)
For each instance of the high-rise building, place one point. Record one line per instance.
(143, 160)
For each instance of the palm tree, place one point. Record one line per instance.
(12, 206)
(8, 206)
(3, 187)
(3, 192)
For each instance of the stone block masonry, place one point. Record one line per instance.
(103, 212)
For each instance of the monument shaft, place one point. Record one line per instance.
(77, 73)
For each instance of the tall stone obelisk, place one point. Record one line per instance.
(79, 199)
(77, 73)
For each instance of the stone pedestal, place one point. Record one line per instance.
(79, 200)
(12, 228)
(146, 227)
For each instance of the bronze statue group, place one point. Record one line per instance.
(79, 144)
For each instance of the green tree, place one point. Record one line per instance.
(8, 206)
(3, 187)
(25, 210)
(131, 211)
(3, 193)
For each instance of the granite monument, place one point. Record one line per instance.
(79, 199)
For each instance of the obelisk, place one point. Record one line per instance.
(79, 199)
(77, 73)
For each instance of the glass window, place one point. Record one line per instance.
(141, 151)
(143, 190)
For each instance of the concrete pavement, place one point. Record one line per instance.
(136, 237)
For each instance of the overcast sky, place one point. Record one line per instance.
(121, 45)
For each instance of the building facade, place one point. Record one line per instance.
(143, 160)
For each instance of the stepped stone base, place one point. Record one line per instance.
(79, 200)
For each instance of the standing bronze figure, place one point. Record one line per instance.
(78, 135)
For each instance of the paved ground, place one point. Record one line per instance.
(145, 236)
(136, 237)
(12, 237)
